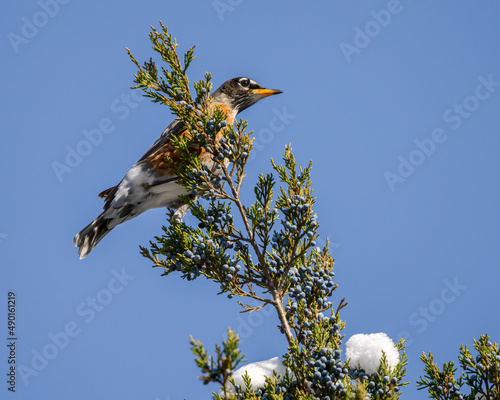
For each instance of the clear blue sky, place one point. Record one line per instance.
(397, 104)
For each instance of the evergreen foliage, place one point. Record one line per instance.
(266, 251)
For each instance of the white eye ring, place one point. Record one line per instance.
(244, 82)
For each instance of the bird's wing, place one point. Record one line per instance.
(176, 127)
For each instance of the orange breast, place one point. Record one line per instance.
(164, 159)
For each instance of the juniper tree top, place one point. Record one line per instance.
(264, 248)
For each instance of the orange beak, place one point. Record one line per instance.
(261, 93)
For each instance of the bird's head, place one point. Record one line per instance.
(241, 93)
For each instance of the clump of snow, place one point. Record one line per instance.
(365, 351)
(257, 371)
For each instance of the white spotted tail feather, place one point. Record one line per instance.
(92, 234)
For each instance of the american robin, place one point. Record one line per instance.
(151, 182)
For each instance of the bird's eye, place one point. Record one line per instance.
(245, 82)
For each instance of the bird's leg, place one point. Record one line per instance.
(181, 212)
